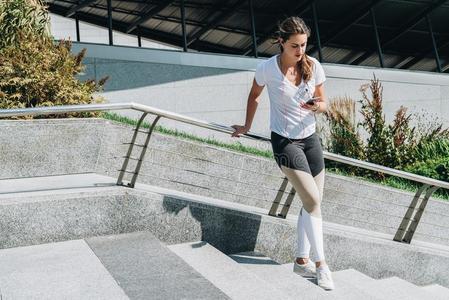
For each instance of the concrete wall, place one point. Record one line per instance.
(215, 87)
(209, 171)
(68, 146)
(49, 147)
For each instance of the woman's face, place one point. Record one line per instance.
(295, 46)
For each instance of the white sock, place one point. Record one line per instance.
(303, 244)
(314, 230)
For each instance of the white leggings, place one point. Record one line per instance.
(310, 224)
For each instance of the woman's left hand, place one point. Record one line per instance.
(313, 107)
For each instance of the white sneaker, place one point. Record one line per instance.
(324, 278)
(307, 269)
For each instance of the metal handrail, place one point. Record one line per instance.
(213, 126)
(404, 233)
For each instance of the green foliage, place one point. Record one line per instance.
(433, 144)
(388, 145)
(403, 138)
(34, 70)
(40, 73)
(423, 150)
(434, 168)
(343, 129)
(21, 18)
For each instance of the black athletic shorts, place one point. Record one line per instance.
(299, 154)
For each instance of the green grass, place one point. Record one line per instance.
(394, 182)
(173, 132)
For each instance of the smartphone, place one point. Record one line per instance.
(311, 101)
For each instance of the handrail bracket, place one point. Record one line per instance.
(410, 222)
(143, 150)
(277, 201)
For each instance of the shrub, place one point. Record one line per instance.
(432, 144)
(386, 145)
(40, 73)
(433, 168)
(20, 18)
(345, 139)
(423, 149)
(34, 70)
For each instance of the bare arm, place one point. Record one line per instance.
(319, 92)
(251, 107)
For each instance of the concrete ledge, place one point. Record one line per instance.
(177, 217)
(37, 219)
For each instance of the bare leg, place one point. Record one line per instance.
(309, 190)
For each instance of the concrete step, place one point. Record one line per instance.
(274, 273)
(389, 288)
(146, 269)
(233, 279)
(115, 267)
(65, 270)
(363, 281)
(353, 276)
(343, 288)
(358, 280)
(297, 287)
(397, 288)
(437, 290)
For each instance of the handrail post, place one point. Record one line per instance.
(142, 153)
(130, 150)
(287, 204)
(412, 229)
(123, 170)
(410, 222)
(277, 200)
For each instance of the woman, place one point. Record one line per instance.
(293, 80)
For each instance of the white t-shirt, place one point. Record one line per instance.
(287, 118)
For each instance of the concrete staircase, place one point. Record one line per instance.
(89, 216)
(113, 267)
(251, 275)
(138, 266)
(73, 234)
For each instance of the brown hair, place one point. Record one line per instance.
(288, 27)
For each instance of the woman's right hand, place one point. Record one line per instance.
(239, 130)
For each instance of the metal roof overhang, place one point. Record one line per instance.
(405, 34)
